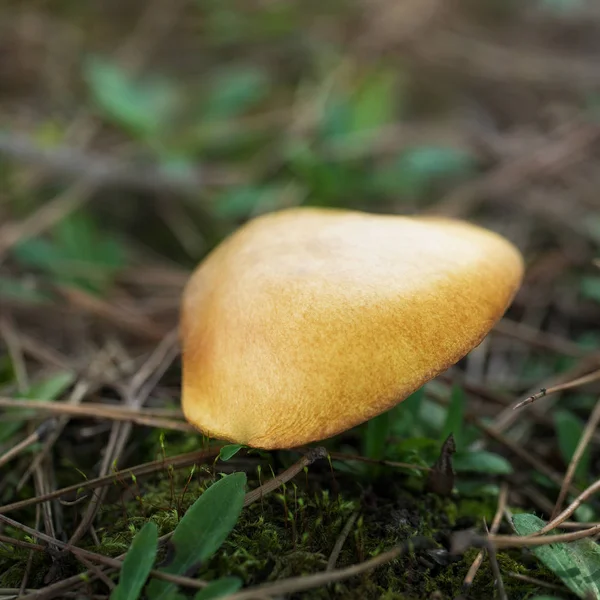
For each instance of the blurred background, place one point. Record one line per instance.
(135, 135)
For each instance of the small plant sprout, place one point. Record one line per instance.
(307, 322)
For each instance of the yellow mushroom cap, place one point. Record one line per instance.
(307, 322)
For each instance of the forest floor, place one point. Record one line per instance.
(134, 136)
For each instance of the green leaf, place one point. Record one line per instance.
(375, 102)
(219, 588)
(81, 239)
(481, 462)
(415, 170)
(405, 416)
(15, 289)
(336, 117)
(51, 387)
(569, 429)
(45, 390)
(137, 564)
(80, 254)
(40, 254)
(235, 91)
(455, 417)
(477, 489)
(576, 563)
(240, 202)
(590, 288)
(585, 514)
(375, 439)
(203, 529)
(141, 107)
(230, 451)
(415, 450)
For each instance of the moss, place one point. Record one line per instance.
(292, 532)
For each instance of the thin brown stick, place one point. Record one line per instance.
(82, 387)
(515, 541)
(177, 462)
(507, 176)
(339, 543)
(464, 539)
(140, 387)
(5, 539)
(99, 558)
(42, 487)
(271, 485)
(558, 520)
(590, 378)
(308, 582)
(509, 417)
(535, 581)
(59, 588)
(98, 411)
(583, 443)
(540, 339)
(100, 170)
(31, 439)
(502, 498)
(101, 575)
(508, 443)
(45, 217)
(491, 550)
(387, 463)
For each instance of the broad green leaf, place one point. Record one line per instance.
(137, 564)
(202, 530)
(576, 563)
(376, 436)
(230, 451)
(51, 387)
(455, 417)
(374, 104)
(235, 91)
(221, 587)
(481, 462)
(143, 107)
(569, 429)
(46, 389)
(40, 254)
(546, 598)
(477, 489)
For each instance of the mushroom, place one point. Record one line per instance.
(306, 322)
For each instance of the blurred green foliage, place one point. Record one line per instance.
(78, 253)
